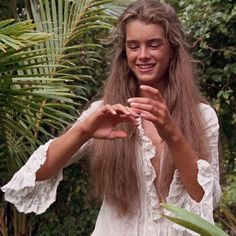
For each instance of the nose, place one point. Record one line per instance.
(144, 53)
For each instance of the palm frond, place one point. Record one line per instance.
(22, 94)
(19, 35)
(69, 22)
(40, 70)
(71, 55)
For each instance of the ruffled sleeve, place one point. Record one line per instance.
(208, 177)
(29, 195)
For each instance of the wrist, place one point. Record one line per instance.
(175, 137)
(81, 133)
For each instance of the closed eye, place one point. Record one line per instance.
(155, 43)
(132, 44)
(133, 47)
(154, 46)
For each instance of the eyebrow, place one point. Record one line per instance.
(160, 40)
(148, 41)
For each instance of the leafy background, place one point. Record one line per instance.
(211, 28)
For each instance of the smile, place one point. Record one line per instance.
(145, 66)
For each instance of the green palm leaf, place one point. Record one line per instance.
(16, 136)
(71, 55)
(42, 72)
(192, 221)
(70, 22)
(39, 73)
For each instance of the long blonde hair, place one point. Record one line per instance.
(113, 162)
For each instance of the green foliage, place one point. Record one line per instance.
(192, 221)
(19, 97)
(72, 50)
(42, 84)
(226, 213)
(211, 27)
(229, 196)
(16, 95)
(18, 35)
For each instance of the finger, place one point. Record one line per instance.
(152, 91)
(148, 101)
(132, 112)
(145, 107)
(108, 108)
(118, 108)
(121, 108)
(139, 99)
(138, 111)
(148, 116)
(128, 119)
(115, 109)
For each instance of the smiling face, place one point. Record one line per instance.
(148, 53)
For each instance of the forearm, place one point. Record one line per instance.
(98, 125)
(60, 151)
(186, 163)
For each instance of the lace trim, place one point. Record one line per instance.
(148, 152)
(28, 195)
(179, 196)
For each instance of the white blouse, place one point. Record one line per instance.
(29, 195)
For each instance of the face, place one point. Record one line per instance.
(148, 52)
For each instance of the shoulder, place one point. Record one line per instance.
(209, 116)
(94, 106)
(207, 112)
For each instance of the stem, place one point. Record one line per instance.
(14, 9)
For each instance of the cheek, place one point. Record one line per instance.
(164, 58)
(161, 54)
(130, 59)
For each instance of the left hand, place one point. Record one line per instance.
(153, 108)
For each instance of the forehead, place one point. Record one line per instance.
(139, 30)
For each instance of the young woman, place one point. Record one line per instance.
(151, 137)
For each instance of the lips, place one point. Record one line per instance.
(145, 67)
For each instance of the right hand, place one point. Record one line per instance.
(101, 123)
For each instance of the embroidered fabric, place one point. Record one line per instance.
(27, 194)
(179, 197)
(30, 196)
(148, 152)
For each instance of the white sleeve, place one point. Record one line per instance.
(29, 195)
(208, 177)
